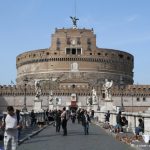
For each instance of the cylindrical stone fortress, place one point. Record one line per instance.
(74, 55)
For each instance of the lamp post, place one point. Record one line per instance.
(122, 88)
(132, 101)
(98, 107)
(52, 81)
(25, 90)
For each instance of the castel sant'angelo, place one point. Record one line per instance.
(73, 64)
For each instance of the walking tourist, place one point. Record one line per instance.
(64, 121)
(85, 122)
(58, 120)
(11, 126)
(33, 118)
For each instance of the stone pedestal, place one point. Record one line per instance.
(89, 107)
(95, 106)
(37, 104)
(51, 106)
(108, 105)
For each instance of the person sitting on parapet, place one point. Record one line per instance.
(107, 116)
(140, 127)
(118, 126)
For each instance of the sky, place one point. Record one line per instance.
(118, 24)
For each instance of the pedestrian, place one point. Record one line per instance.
(58, 120)
(107, 116)
(33, 118)
(140, 128)
(73, 116)
(19, 121)
(11, 126)
(46, 116)
(64, 121)
(85, 122)
(118, 127)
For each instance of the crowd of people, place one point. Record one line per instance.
(61, 117)
(12, 123)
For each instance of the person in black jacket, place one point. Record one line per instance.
(140, 127)
(119, 122)
(107, 116)
(58, 120)
(85, 122)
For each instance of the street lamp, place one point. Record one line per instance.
(98, 107)
(52, 82)
(99, 95)
(132, 101)
(122, 88)
(25, 90)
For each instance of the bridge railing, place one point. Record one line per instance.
(26, 119)
(131, 117)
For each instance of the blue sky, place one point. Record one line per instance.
(118, 24)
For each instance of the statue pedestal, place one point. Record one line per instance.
(89, 107)
(95, 106)
(51, 106)
(108, 105)
(37, 104)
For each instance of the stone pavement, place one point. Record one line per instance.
(76, 140)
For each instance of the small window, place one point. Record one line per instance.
(120, 55)
(99, 53)
(68, 41)
(90, 53)
(128, 58)
(78, 41)
(89, 41)
(78, 51)
(47, 53)
(58, 41)
(144, 99)
(73, 86)
(67, 51)
(89, 47)
(137, 99)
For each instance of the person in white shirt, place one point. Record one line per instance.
(11, 126)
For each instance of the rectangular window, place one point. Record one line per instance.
(138, 99)
(79, 51)
(67, 51)
(73, 51)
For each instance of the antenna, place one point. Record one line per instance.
(74, 19)
(75, 7)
